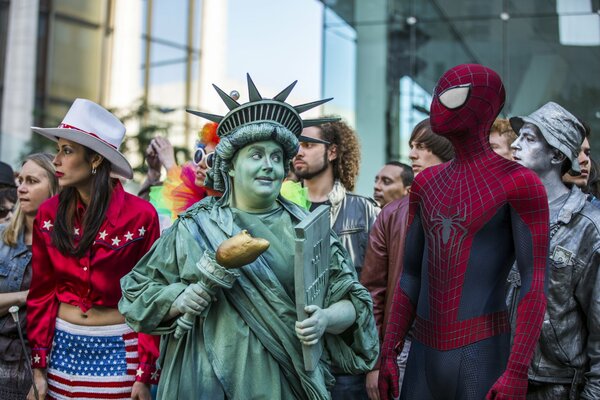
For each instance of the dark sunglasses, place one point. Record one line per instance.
(201, 155)
(4, 212)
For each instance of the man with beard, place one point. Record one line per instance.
(566, 362)
(327, 163)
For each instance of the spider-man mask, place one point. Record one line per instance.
(466, 99)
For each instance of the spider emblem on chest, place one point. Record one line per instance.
(449, 225)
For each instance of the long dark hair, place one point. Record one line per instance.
(100, 192)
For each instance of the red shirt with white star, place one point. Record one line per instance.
(127, 233)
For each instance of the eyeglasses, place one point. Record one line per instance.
(201, 155)
(4, 212)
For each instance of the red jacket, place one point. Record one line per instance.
(383, 260)
(127, 233)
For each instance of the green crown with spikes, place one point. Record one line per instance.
(259, 109)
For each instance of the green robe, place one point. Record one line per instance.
(246, 347)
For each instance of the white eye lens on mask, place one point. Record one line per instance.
(455, 97)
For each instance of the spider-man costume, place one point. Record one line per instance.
(469, 219)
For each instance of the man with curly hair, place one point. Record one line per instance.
(328, 163)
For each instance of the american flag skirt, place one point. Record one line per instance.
(92, 362)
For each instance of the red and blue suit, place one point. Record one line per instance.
(469, 220)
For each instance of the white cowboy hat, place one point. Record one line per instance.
(90, 125)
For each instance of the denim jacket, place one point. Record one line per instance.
(568, 350)
(13, 267)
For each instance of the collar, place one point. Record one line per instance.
(336, 197)
(21, 247)
(573, 205)
(337, 194)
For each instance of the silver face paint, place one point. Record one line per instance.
(531, 150)
(561, 130)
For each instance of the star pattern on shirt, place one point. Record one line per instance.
(77, 231)
(154, 375)
(37, 358)
(116, 240)
(48, 224)
(139, 372)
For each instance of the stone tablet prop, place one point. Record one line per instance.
(311, 272)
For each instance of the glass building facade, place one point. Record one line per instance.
(121, 54)
(379, 59)
(73, 41)
(543, 50)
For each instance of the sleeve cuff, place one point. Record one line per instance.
(147, 373)
(39, 358)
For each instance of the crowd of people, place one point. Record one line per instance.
(471, 273)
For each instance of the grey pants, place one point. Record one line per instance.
(550, 391)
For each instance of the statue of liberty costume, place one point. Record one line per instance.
(245, 345)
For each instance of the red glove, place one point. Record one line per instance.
(508, 387)
(388, 374)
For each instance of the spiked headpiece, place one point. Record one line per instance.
(259, 119)
(263, 110)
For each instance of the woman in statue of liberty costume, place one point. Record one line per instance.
(248, 343)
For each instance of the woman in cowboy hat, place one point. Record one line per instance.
(84, 240)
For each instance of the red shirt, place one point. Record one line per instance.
(127, 233)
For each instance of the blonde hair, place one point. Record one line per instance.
(17, 223)
(502, 126)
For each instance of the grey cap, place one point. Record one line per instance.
(561, 129)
